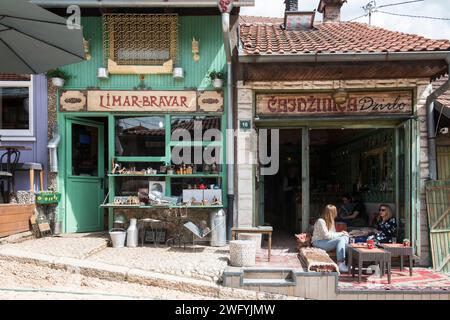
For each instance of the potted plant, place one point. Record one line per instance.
(216, 78)
(58, 77)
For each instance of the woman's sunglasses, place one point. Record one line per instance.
(382, 210)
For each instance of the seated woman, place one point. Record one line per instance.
(386, 227)
(325, 236)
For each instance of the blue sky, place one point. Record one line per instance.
(435, 29)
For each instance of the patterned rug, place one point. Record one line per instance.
(421, 280)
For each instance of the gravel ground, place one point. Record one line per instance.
(20, 281)
(77, 246)
(205, 263)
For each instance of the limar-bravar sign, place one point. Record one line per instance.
(142, 101)
(319, 104)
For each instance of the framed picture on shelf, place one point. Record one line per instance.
(159, 186)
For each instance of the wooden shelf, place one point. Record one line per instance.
(195, 175)
(119, 206)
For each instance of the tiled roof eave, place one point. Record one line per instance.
(348, 56)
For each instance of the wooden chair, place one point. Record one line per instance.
(7, 173)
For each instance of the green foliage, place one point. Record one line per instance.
(58, 73)
(215, 75)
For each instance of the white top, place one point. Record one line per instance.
(321, 231)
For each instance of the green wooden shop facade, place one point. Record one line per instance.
(88, 192)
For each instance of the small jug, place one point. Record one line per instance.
(132, 234)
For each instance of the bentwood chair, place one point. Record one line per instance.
(7, 169)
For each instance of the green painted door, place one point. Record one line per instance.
(84, 175)
(408, 180)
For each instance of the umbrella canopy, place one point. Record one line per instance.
(34, 40)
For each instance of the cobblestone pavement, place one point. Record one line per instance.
(205, 263)
(29, 281)
(77, 246)
(201, 262)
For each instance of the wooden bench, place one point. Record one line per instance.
(260, 230)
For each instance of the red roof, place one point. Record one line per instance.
(265, 36)
(14, 77)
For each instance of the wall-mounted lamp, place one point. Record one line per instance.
(195, 50)
(87, 50)
(340, 96)
(178, 73)
(103, 73)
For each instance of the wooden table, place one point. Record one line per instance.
(260, 230)
(363, 253)
(401, 250)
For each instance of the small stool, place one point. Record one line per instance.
(143, 223)
(242, 253)
(31, 167)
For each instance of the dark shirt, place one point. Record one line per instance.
(386, 230)
(361, 208)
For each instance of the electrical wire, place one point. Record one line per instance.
(396, 4)
(364, 15)
(412, 16)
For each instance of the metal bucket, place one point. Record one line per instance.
(218, 228)
(117, 237)
(57, 228)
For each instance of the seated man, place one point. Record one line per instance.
(353, 211)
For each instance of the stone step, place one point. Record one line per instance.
(268, 277)
(268, 282)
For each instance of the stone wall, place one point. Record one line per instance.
(244, 190)
(194, 215)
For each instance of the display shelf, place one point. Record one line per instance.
(195, 175)
(123, 206)
(196, 144)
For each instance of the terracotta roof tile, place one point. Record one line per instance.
(260, 36)
(14, 77)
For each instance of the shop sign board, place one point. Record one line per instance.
(141, 101)
(320, 104)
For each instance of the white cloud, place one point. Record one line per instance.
(436, 29)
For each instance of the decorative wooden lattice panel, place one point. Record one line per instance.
(438, 208)
(140, 39)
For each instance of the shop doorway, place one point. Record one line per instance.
(84, 174)
(319, 166)
(349, 168)
(281, 193)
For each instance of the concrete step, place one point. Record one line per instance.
(268, 282)
(268, 277)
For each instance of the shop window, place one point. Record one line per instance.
(147, 42)
(204, 124)
(84, 151)
(140, 136)
(16, 108)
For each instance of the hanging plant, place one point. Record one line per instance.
(58, 77)
(216, 78)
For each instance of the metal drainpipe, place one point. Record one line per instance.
(230, 138)
(431, 126)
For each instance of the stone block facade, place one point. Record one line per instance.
(245, 173)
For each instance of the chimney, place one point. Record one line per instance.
(291, 5)
(331, 10)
